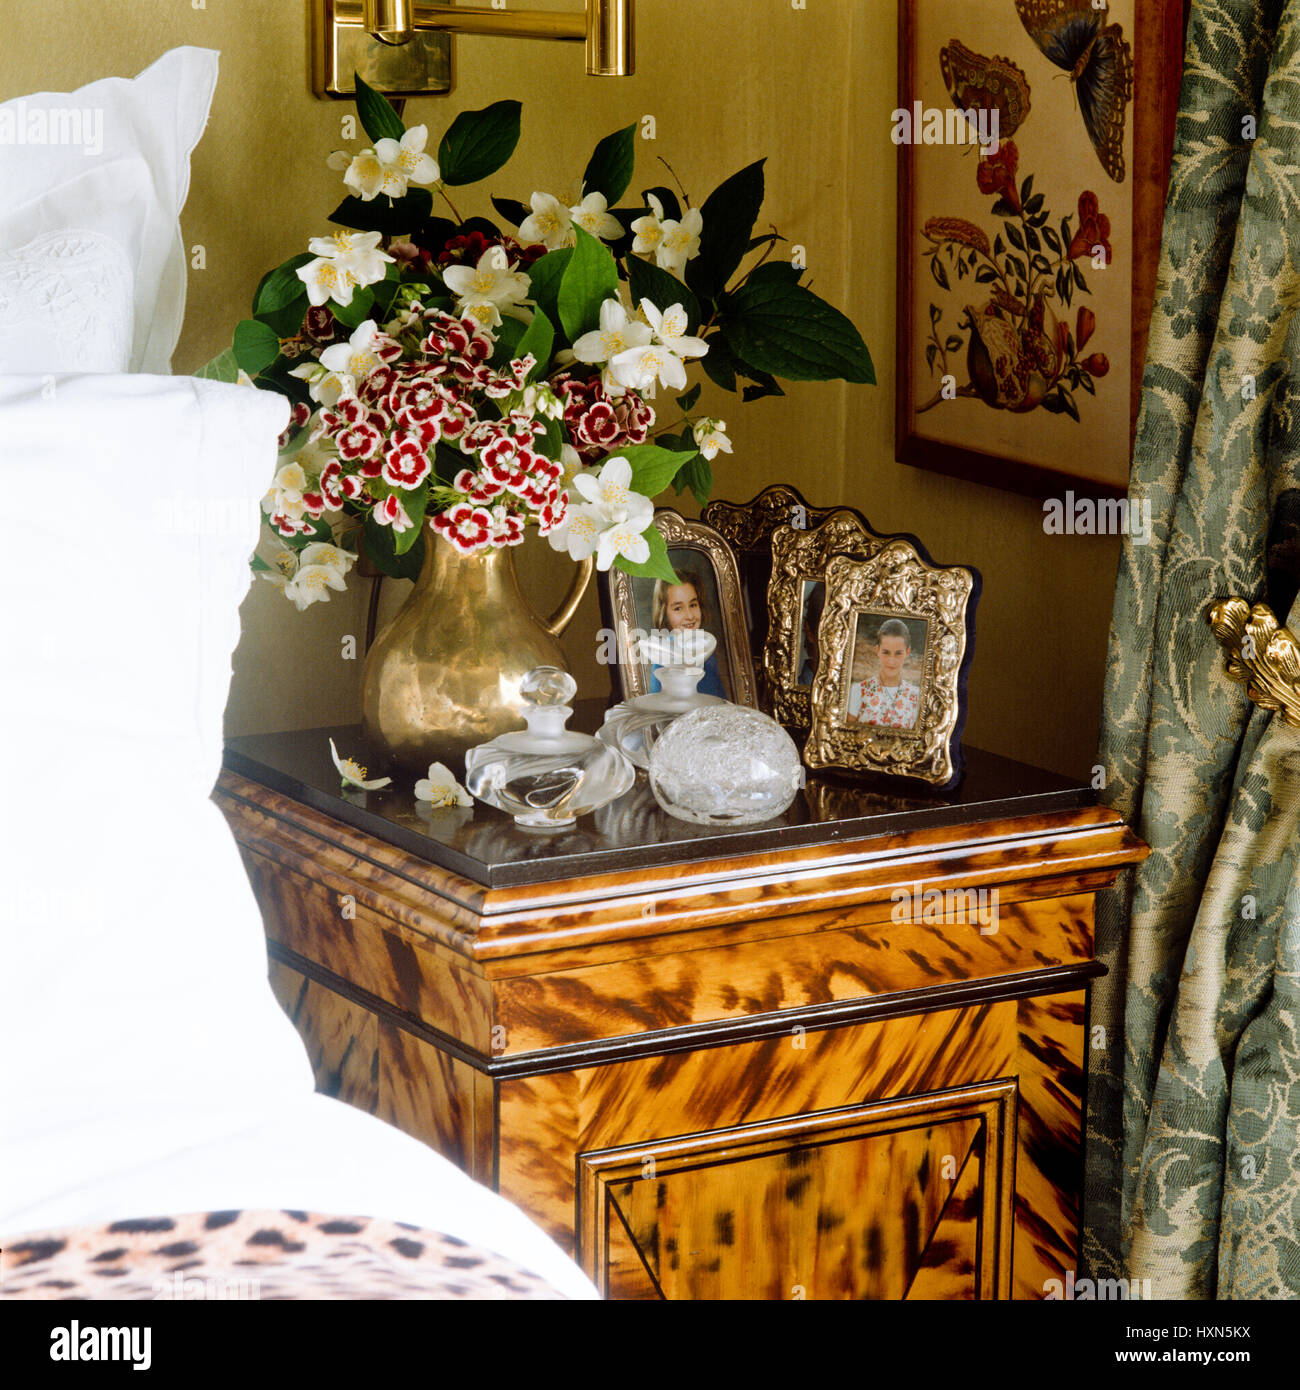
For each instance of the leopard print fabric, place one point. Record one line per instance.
(258, 1255)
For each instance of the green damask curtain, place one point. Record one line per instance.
(1193, 1164)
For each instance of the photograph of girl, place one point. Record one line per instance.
(690, 603)
(888, 666)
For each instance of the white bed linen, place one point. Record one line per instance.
(92, 266)
(147, 1068)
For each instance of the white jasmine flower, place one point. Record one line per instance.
(344, 262)
(609, 493)
(284, 496)
(617, 333)
(592, 216)
(309, 586)
(323, 386)
(670, 241)
(709, 438)
(670, 330)
(490, 282)
(485, 314)
(390, 167)
(354, 774)
(624, 539)
(327, 556)
(550, 222)
(405, 161)
(639, 368)
(365, 350)
(580, 532)
(441, 788)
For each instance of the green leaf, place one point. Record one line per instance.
(286, 322)
(698, 476)
(781, 271)
(544, 277)
(609, 170)
(378, 115)
(256, 346)
(590, 278)
(658, 566)
(281, 286)
(719, 363)
(667, 200)
(539, 340)
(509, 333)
(649, 281)
(259, 566)
(391, 216)
(513, 211)
(729, 214)
(687, 402)
(789, 332)
(352, 313)
(478, 143)
(416, 502)
(379, 542)
(653, 466)
(223, 367)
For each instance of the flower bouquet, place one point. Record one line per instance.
(484, 381)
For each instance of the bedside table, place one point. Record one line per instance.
(838, 1055)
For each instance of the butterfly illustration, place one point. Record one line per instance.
(1071, 33)
(977, 83)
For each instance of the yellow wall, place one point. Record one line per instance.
(728, 81)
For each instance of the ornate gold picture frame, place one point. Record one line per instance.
(709, 596)
(748, 528)
(896, 639)
(795, 602)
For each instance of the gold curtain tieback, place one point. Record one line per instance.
(1263, 655)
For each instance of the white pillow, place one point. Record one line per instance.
(92, 266)
(132, 948)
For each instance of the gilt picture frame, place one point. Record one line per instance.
(896, 639)
(795, 603)
(708, 595)
(748, 528)
(1026, 271)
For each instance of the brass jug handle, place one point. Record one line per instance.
(563, 615)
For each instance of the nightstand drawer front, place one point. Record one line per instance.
(886, 1200)
(833, 959)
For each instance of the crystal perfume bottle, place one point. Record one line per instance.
(546, 776)
(678, 658)
(725, 765)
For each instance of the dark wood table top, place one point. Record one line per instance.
(485, 846)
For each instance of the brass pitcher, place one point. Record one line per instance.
(444, 675)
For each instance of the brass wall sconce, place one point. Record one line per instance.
(403, 47)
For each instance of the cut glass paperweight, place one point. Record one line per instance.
(546, 776)
(635, 726)
(725, 765)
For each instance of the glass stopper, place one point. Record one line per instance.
(547, 685)
(685, 647)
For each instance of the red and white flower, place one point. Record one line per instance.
(390, 512)
(467, 527)
(406, 464)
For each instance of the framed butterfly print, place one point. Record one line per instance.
(1034, 140)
